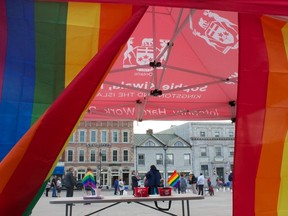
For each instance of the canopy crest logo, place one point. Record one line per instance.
(144, 54)
(217, 31)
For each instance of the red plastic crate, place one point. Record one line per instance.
(141, 191)
(164, 191)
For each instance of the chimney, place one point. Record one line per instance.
(149, 131)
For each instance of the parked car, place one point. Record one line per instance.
(78, 186)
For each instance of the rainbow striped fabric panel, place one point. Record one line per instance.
(42, 48)
(261, 155)
(174, 179)
(89, 180)
(49, 74)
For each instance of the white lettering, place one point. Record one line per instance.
(207, 112)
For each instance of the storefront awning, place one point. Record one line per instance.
(59, 170)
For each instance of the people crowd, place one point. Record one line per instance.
(152, 180)
(56, 184)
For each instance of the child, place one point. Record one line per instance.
(211, 191)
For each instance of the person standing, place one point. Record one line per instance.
(121, 186)
(193, 182)
(153, 177)
(59, 186)
(230, 178)
(116, 185)
(48, 186)
(200, 183)
(89, 182)
(135, 180)
(70, 182)
(53, 186)
(209, 182)
(183, 183)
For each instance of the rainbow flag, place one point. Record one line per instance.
(262, 127)
(174, 179)
(53, 59)
(89, 180)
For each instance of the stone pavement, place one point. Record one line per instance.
(218, 205)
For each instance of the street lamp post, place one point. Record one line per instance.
(165, 165)
(100, 168)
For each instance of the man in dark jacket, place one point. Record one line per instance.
(70, 182)
(135, 180)
(230, 178)
(116, 186)
(153, 179)
(193, 181)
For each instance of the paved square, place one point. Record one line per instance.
(218, 205)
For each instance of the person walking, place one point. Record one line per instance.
(200, 183)
(134, 180)
(193, 182)
(70, 182)
(153, 177)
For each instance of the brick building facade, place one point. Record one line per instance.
(105, 146)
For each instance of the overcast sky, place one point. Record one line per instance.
(157, 126)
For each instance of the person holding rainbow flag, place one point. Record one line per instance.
(174, 180)
(89, 182)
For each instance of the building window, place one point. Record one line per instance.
(202, 134)
(170, 159)
(70, 156)
(216, 134)
(231, 134)
(125, 137)
(92, 155)
(204, 169)
(187, 159)
(81, 173)
(149, 143)
(114, 136)
(114, 155)
(103, 155)
(82, 137)
(178, 143)
(203, 151)
(141, 159)
(218, 151)
(93, 136)
(81, 155)
(72, 138)
(104, 136)
(231, 151)
(125, 156)
(159, 159)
